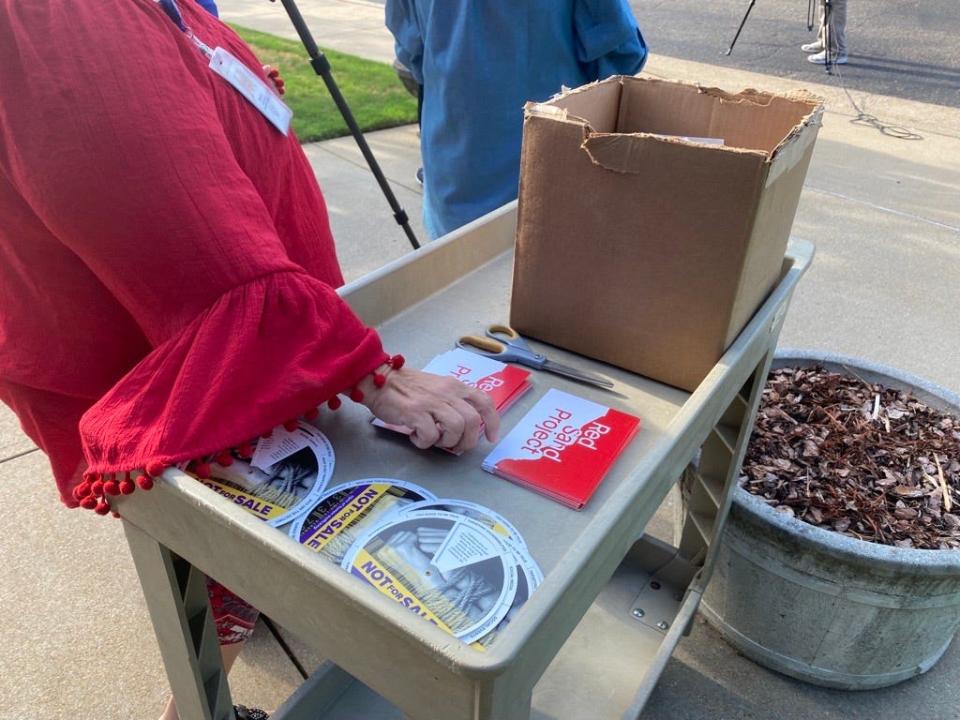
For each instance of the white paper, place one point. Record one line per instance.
(279, 446)
(692, 138)
(254, 89)
(462, 547)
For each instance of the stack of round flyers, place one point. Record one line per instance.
(448, 569)
(287, 474)
(529, 574)
(457, 564)
(335, 521)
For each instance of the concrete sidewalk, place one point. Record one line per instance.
(885, 215)
(352, 26)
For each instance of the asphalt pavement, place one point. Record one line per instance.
(904, 48)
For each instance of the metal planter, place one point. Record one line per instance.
(826, 608)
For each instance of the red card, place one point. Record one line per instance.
(563, 447)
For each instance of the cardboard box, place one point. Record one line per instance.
(641, 240)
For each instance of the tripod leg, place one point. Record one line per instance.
(322, 67)
(827, 36)
(739, 29)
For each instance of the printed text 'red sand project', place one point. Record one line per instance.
(550, 437)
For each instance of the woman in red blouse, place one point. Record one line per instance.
(167, 272)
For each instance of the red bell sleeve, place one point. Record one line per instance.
(155, 175)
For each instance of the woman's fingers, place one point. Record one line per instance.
(274, 75)
(451, 424)
(425, 431)
(483, 404)
(472, 423)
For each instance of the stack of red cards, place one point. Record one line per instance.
(563, 447)
(503, 383)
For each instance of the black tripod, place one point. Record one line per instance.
(321, 66)
(827, 34)
(811, 12)
(740, 29)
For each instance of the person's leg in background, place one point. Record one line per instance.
(837, 34)
(822, 29)
(838, 29)
(817, 45)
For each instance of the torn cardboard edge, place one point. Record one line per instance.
(748, 95)
(626, 152)
(623, 152)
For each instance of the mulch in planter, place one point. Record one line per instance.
(858, 458)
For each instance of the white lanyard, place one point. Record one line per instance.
(242, 78)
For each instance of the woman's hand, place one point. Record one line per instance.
(439, 410)
(274, 76)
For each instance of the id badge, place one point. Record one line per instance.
(246, 82)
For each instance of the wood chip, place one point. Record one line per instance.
(947, 501)
(908, 491)
(865, 460)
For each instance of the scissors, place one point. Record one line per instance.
(503, 343)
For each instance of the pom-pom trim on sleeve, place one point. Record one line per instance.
(95, 490)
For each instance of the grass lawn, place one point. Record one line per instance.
(372, 89)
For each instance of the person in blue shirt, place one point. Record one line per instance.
(478, 63)
(210, 6)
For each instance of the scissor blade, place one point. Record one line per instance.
(575, 374)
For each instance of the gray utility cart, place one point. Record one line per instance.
(597, 634)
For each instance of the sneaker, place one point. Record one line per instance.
(815, 47)
(820, 58)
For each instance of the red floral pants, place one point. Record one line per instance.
(235, 617)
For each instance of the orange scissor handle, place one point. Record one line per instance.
(505, 330)
(482, 343)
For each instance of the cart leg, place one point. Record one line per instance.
(176, 595)
(499, 704)
(707, 490)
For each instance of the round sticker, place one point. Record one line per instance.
(488, 517)
(528, 580)
(529, 577)
(283, 490)
(346, 511)
(449, 569)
